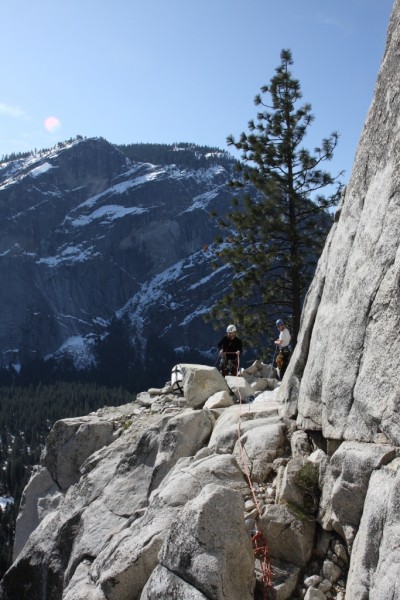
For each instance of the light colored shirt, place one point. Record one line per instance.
(284, 338)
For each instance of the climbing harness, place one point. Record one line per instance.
(229, 366)
(229, 357)
(282, 360)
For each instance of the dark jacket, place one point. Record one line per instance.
(230, 345)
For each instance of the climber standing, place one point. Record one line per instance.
(230, 348)
(283, 344)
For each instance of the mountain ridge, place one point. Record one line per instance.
(85, 231)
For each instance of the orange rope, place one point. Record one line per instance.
(260, 545)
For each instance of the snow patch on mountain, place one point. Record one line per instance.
(43, 168)
(124, 186)
(164, 293)
(215, 274)
(15, 170)
(201, 310)
(6, 501)
(201, 176)
(71, 254)
(79, 349)
(152, 293)
(202, 201)
(106, 214)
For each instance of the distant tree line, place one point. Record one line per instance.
(182, 154)
(19, 155)
(15, 156)
(117, 363)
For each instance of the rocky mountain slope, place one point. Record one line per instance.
(181, 495)
(86, 233)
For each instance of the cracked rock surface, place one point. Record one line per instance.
(343, 378)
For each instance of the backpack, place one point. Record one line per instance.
(177, 379)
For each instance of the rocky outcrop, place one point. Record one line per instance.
(210, 530)
(343, 376)
(200, 383)
(374, 569)
(153, 507)
(346, 483)
(156, 499)
(342, 385)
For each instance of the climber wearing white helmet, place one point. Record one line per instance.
(283, 343)
(230, 348)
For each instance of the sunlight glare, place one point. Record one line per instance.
(52, 124)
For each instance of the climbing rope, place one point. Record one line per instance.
(228, 363)
(260, 545)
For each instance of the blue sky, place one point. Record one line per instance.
(182, 70)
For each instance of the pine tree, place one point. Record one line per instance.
(275, 236)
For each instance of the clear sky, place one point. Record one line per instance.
(182, 70)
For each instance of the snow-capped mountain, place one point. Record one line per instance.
(87, 234)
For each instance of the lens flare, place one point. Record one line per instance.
(52, 124)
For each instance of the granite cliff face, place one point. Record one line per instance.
(342, 384)
(343, 379)
(86, 233)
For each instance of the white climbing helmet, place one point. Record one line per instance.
(230, 329)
